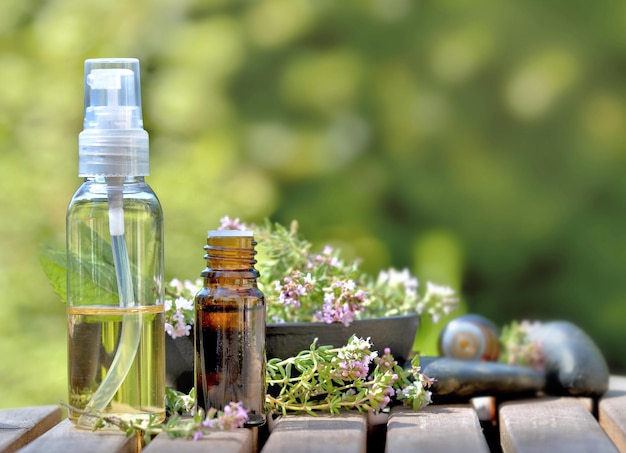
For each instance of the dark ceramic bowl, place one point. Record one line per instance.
(179, 362)
(288, 339)
(395, 332)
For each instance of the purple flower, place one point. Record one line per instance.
(325, 258)
(342, 301)
(209, 422)
(387, 362)
(233, 416)
(294, 288)
(180, 329)
(353, 360)
(226, 223)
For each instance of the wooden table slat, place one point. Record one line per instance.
(551, 425)
(66, 437)
(20, 426)
(612, 412)
(235, 441)
(536, 425)
(307, 434)
(445, 428)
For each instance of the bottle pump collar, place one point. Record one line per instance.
(113, 141)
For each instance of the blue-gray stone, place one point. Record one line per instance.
(459, 380)
(574, 364)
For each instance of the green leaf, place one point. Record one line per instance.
(102, 281)
(97, 279)
(95, 272)
(53, 263)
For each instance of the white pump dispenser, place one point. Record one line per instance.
(113, 141)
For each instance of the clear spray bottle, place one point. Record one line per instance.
(116, 342)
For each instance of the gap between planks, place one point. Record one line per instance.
(612, 412)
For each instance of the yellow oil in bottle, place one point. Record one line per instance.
(93, 339)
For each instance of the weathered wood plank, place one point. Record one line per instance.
(235, 441)
(345, 433)
(65, 437)
(20, 426)
(612, 412)
(551, 425)
(441, 428)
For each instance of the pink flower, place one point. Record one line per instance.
(354, 360)
(341, 302)
(293, 288)
(180, 329)
(226, 223)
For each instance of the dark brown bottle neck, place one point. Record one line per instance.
(230, 257)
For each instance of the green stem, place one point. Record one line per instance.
(360, 405)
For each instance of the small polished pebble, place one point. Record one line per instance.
(460, 380)
(574, 365)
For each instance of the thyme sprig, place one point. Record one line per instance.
(353, 376)
(181, 420)
(321, 379)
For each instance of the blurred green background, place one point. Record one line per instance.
(479, 143)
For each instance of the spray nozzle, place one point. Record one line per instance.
(109, 79)
(113, 142)
(112, 98)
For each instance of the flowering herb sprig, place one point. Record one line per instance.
(182, 421)
(304, 285)
(329, 379)
(179, 306)
(395, 292)
(518, 349)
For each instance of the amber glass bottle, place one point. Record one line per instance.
(230, 327)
